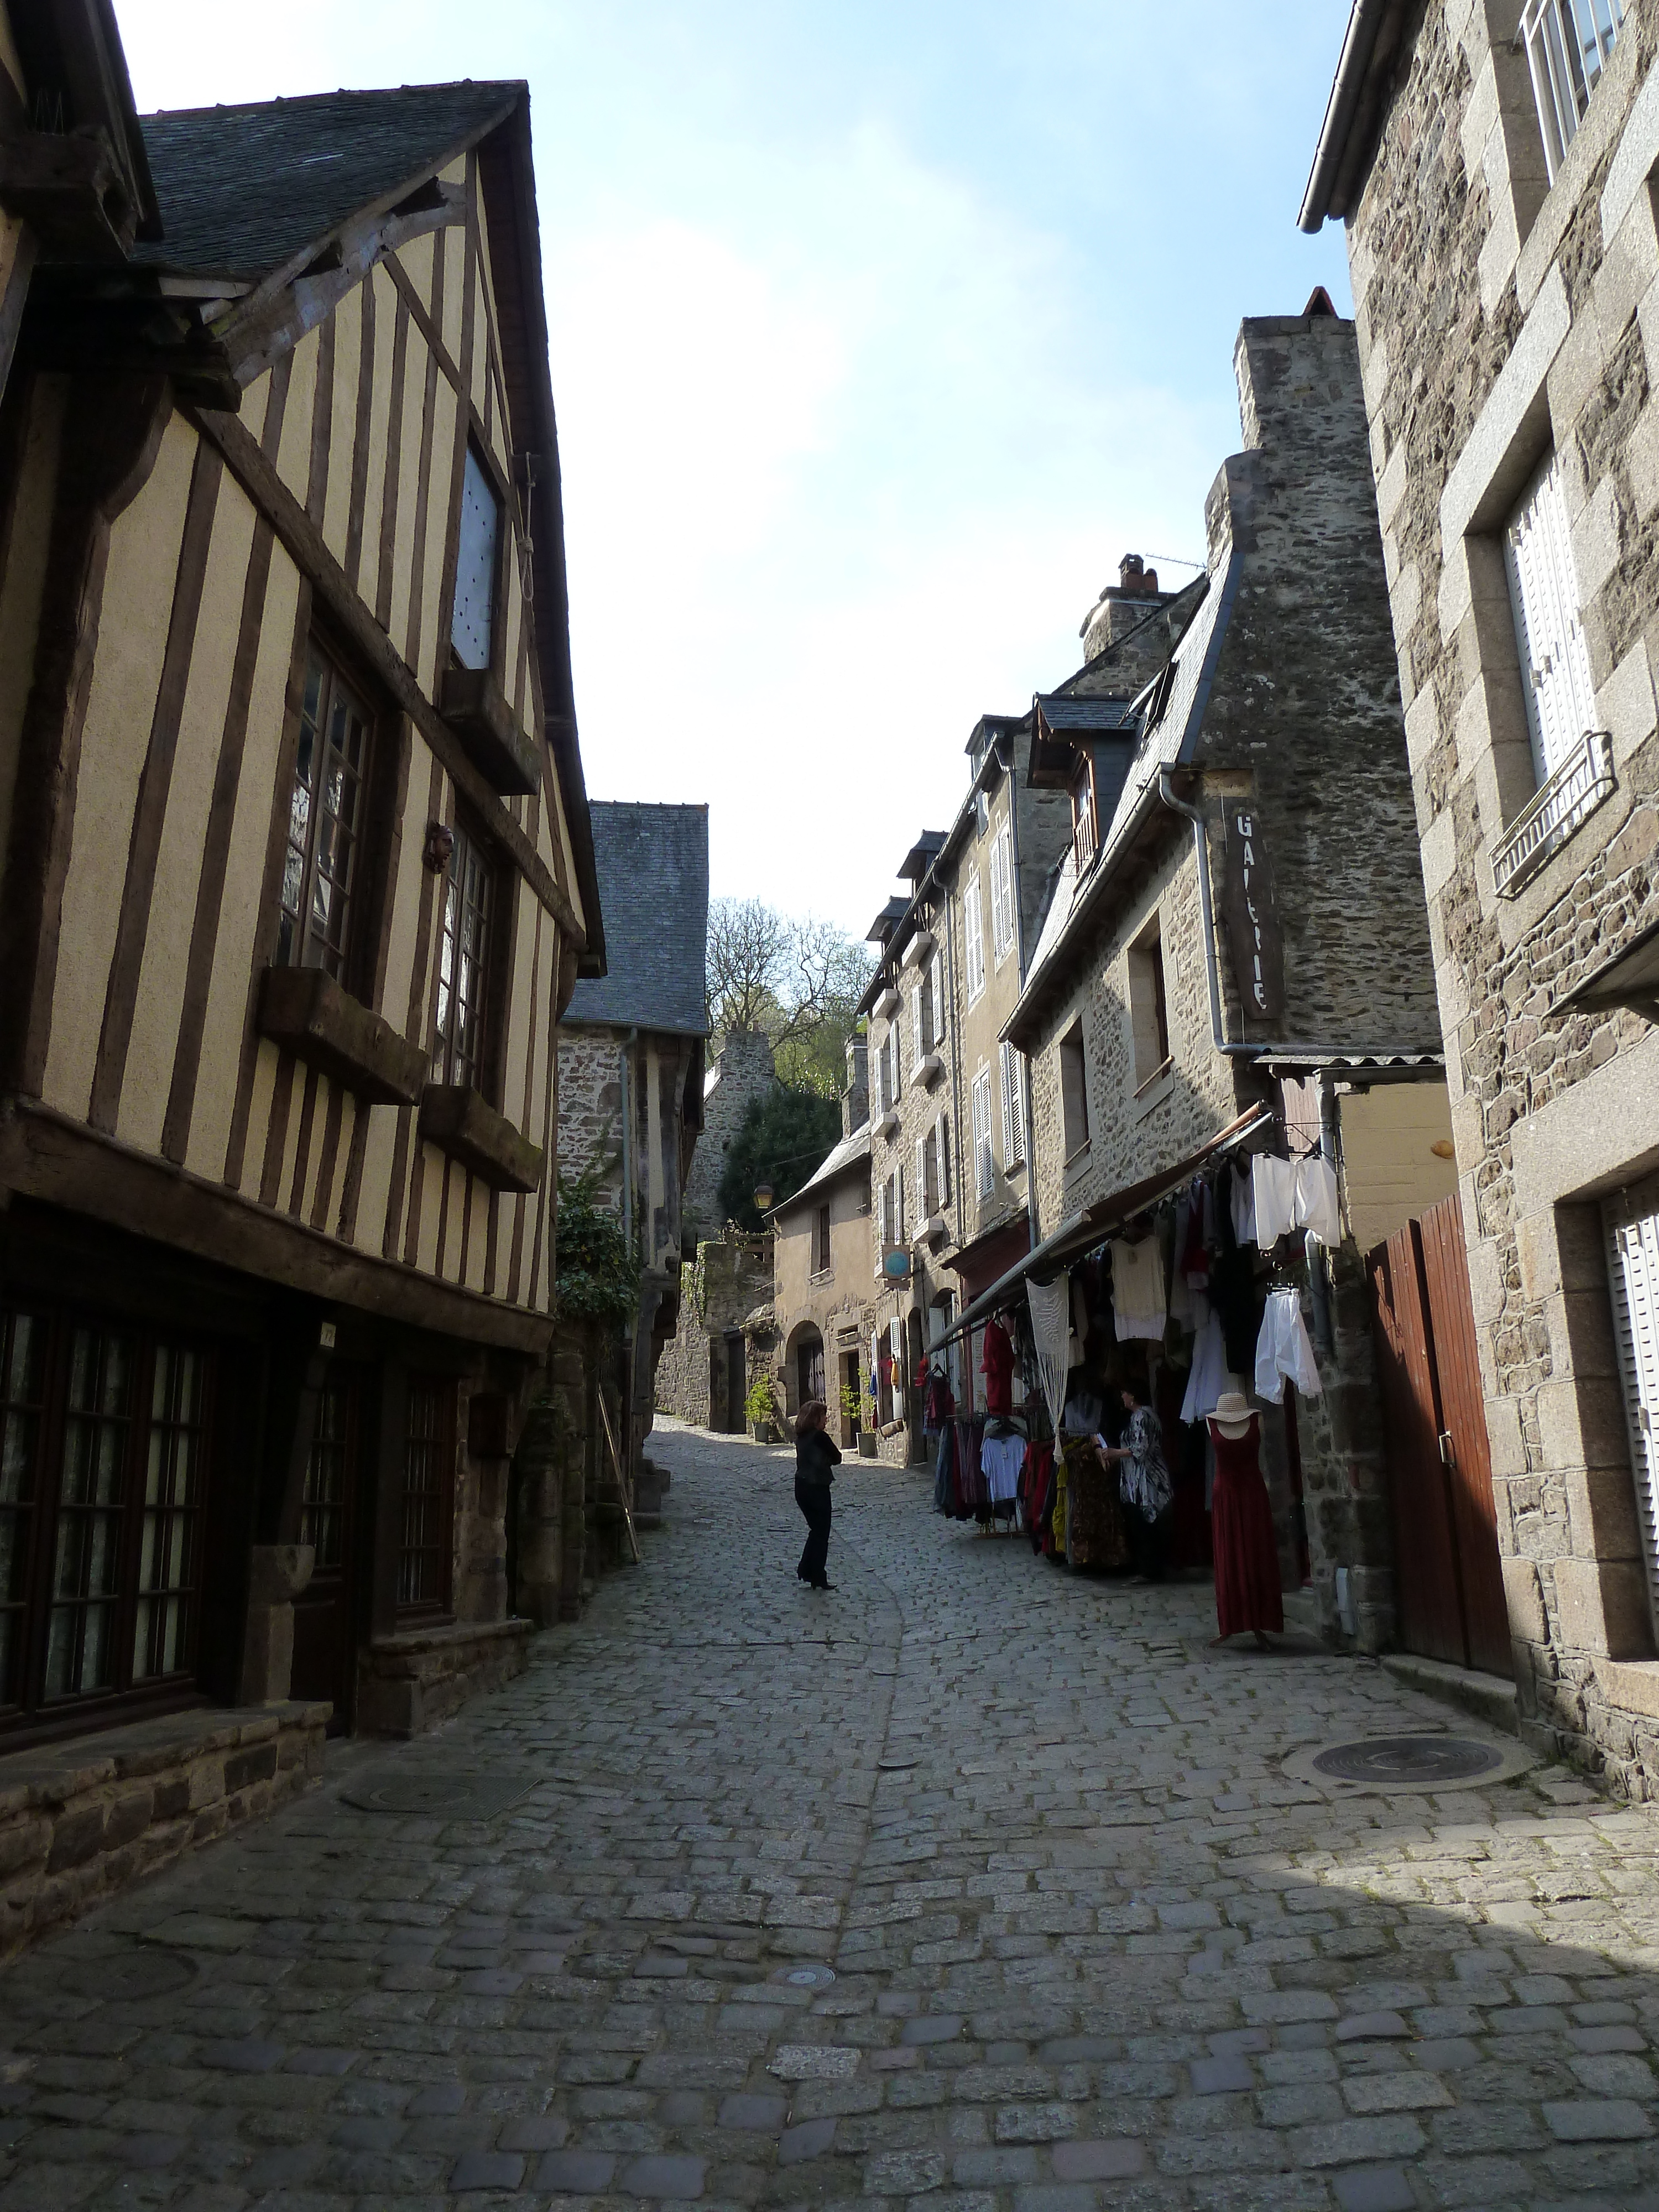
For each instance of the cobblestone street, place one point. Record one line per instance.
(971, 1883)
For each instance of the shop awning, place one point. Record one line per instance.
(1103, 1219)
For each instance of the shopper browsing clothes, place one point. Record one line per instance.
(1246, 1592)
(816, 1461)
(1144, 1483)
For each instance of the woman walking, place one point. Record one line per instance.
(816, 1461)
(1246, 1593)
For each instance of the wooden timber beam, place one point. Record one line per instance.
(310, 552)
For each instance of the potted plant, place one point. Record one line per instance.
(850, 1403)
(760, 1410)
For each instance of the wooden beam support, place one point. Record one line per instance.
(311, 554)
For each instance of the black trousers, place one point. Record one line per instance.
(1149, 1541)
(813, 1499)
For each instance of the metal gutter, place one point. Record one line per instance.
(1363, 23)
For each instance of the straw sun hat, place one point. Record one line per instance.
(1233, 1414)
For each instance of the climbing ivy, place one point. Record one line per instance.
(598, 1278)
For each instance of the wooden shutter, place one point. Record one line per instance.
(1013, 1109)
(1002, 890)
(919, 1028)
(1632, 1225)
(973, 930)
(984, 1164)
(1548, 622)
(922, 1201)
(942, 1127)
(898, 1192)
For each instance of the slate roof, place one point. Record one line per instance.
(847, 1153)
(1063, 711)
(243, 190)
(652, 867)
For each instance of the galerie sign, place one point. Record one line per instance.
(1252, 918)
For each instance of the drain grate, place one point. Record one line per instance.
(445, 1796)
(1409, 1762)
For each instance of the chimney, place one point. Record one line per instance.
(855, 1099)
(1298, 381)
(1122, 605)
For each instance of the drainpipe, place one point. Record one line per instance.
(1202, 854)
(1019, 954)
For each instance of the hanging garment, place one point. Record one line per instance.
(1209, 1376)
(944, 1465)
(1232, 1293)
(1242, 1204)
(1316, 1206)
(1078, 1345)
(1246, 1592)
(1144, 1478)
(1082, 1415)
(1094, 1534)
(1036, 1495)
(1056, 1546)
(1274, 1190)
(1282, 1349)
(1195, 1259)
(997, 1365)
(1001, 1458)
(1051, 1304)
(939, 1403)
(1172, 1243)
(1140, 1301)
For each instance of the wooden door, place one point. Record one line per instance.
(324, 1639)
(737, 1385)
(1448, 1585)
(1464, 1444)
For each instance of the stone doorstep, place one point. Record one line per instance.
(452, 1643)
(45, 1775)
(1488, 1696)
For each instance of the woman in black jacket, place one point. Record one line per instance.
(816, 1461)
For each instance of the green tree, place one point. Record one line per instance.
(596, 1277)
(785, 1138)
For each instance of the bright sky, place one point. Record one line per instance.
(879, 333)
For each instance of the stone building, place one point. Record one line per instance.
(630, 1107)
(823, 1308)
(297, 877)
(723, 1337)
(742, 1074)
(1176, 1005)
(1515, 440)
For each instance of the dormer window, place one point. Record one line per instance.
(1085, 834)
(472, 630)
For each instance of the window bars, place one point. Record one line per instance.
(1574, 791)
(1568, 43)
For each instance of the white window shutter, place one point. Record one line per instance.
(1002, 890)
(1013, 1106)
(943, 1127)
(1548, 622)
(1007, 1087)
(921, 1182)
(973, 930)
(918, 1029)
(899, 1186)
(1633, 1270)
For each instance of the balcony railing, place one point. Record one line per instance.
(1568, 43)
(1577, 787)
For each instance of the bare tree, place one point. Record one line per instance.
(800, 981)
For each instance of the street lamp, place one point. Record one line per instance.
(763, 1195)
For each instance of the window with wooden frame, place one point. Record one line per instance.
(460, 1029)
(324, 1505)
(1085, 828)
(104, 1447)
(1012, 1073)
(1148, 1011)
(1002, 892)
(323, 869)
(1074, 1092)
(973, 933)
(426, 1539)
(985, 1165)
(820, 1241)
(477, 565)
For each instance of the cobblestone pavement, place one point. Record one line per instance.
(1090, 1944)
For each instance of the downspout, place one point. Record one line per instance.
(1019, 955)
(1206, 917)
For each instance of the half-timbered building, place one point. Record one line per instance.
(297, 877)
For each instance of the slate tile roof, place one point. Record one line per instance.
(243, 190)
(847, 1154)
(652, 867)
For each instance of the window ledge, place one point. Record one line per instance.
(1158, 1086)
(474, 704)
(927, 1072)
(306, 1011)
(457, 1119)
(822, 1275)
(920, 947)
(1631, 1684)
(1073, 1159)
(1568, 800)
(886, 1004)
(888, 1123)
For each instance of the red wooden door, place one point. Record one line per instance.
(1426, 1596)
(1463, 1443)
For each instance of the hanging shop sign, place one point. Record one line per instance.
(895, 1265)
(1258, 946)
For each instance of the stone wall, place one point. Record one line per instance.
(80, 1821)
(1537, 326)
(743, 1073)
(590, 1105)
(732, 1275)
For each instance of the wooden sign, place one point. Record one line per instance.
(1252, 918)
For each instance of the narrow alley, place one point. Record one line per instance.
(973, 1883)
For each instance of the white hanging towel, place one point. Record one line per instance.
(1050, 1330)
(1139, 1300)
(1282, 1350)
(1317, 1199)
(1273, 1189)
(1209, 1378)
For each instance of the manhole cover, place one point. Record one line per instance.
(895, 1765)
(806, 1977)
(126, 1977)
(1409, 1762)
(466, 1796)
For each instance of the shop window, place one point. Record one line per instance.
(323, 866)
(426, 1546)
(103, 1482)
(472, 630)
(460, 1030)
(1149, 1017)
(323, 1508)
(1073, 1091)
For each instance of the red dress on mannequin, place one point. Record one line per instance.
(997, 1365)
(1246, 1593)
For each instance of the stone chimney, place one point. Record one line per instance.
(855, 1099)
(1298, 381)
(1122, 605)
